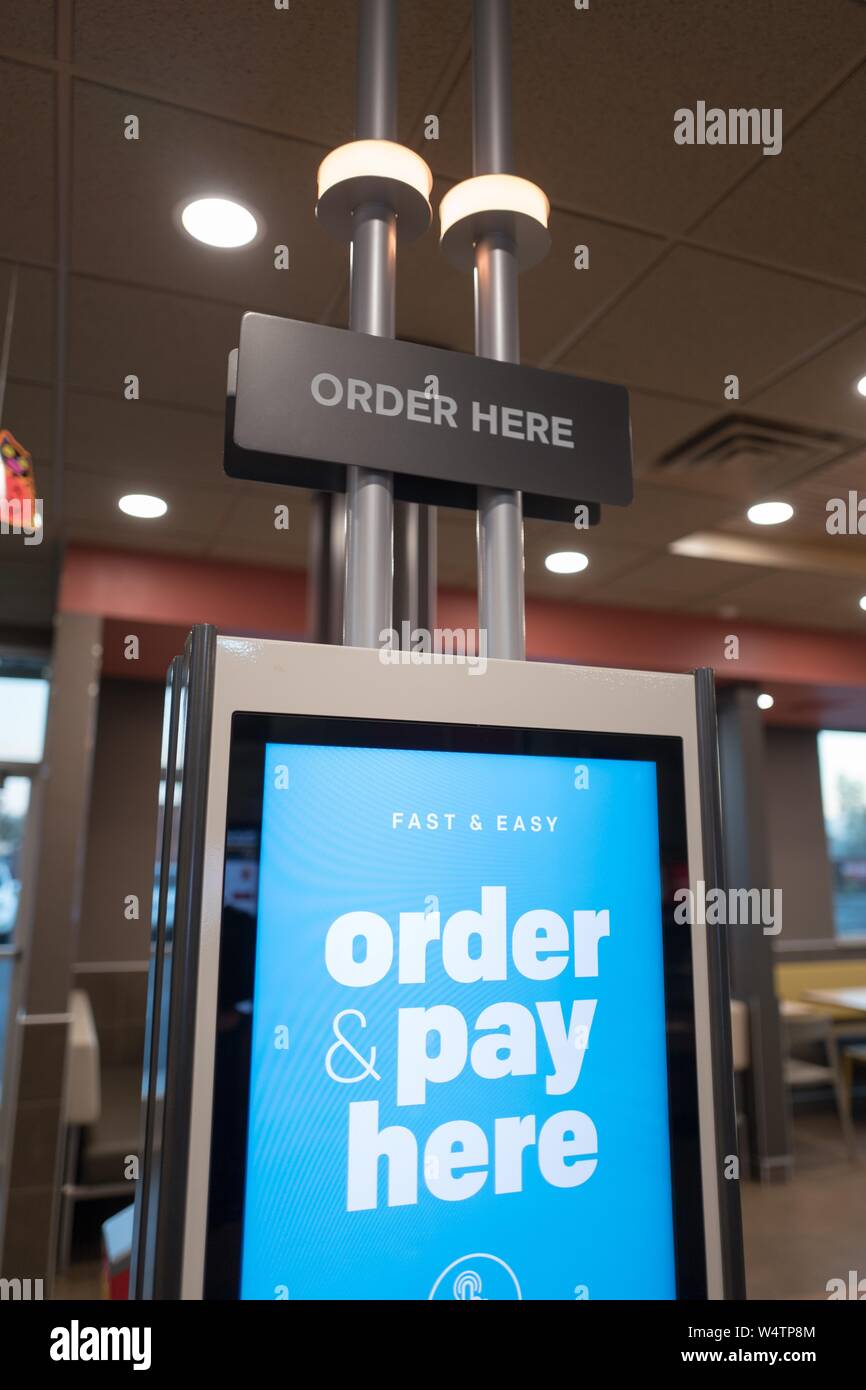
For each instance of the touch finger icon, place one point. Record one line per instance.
(477, 1278)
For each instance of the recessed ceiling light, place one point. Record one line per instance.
(861, 386)
(770, 513)
(219, 222)
(765, 702)
(566, 562)
(140, 504)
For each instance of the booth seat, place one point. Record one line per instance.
(102, 1109)
(793, 978)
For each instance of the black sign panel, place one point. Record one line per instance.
(449, 421)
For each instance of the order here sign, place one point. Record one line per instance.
(458, 1083)
(313, 393)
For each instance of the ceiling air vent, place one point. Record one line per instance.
(744, 441)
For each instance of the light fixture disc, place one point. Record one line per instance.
(336, 208)
(374, 171)
(520, 213)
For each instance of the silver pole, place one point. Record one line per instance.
(501, 610)
(414, 567)
(327, 567)
(369, 492)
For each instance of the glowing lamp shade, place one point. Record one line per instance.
(381, 159)
(374, 171)
(770, 513)
(142, 505)
(861, 386)
(493, 193)
(219, 222)
(765, 701)
(863, 603)
(566, 562)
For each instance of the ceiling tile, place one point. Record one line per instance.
(29, 414)
(458, 556)
(607, 560)
(660, 514)
(137, 444)
(292, 70)
(435, 301)
(822, 392)
(809, 497)
(28, 27)
(658, 423)
(126, 192)
(29, 212)
(31, 356)
(805, 600)
(804, 207)
(675, 581)
(178, 347)
(557, 299)
(697, 317)
(89, 500)
(749, 475)
(595, 93)
(247, 530)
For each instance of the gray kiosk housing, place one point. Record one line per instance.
(216, 677)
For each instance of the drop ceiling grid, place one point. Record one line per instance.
(296, 68)
(805, 210)
(809, 598)
(635, 280)
(626, 225)
(536, 587)
(28, 28)
(110, 80)
(810, 496)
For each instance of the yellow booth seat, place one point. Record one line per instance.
(794, 977)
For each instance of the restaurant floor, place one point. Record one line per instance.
(801, 1233)
(798, 1234)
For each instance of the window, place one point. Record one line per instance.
(842, 760)
(23, 711)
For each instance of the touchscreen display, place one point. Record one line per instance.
(458, 1074)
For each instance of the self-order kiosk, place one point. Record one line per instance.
(422, 1023)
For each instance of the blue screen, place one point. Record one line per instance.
(458, 1082)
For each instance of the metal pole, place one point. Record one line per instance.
(497, 331)
(414, 567)
(327, 567)
(369, 492)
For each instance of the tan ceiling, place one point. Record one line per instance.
(704, 261)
